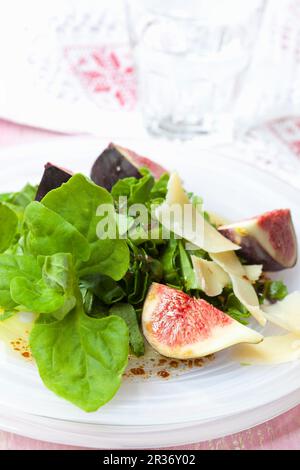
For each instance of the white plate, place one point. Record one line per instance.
(220, 398)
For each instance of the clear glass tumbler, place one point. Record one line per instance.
(191, 57)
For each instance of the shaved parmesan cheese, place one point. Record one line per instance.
(272, 350)
(253, 271)
(179, 216)
(285, 313)
(211, 278)
(229, 262)
(241, 285)
(213, 242)
(176, 194)
(246, 294)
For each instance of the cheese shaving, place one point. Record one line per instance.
(211, 278)
(272, 350)
(179, 216)
(285, 313)
(253, 271)
(241, 285)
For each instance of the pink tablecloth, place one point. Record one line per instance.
(280, 433)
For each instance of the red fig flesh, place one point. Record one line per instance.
(117, 163)
(140, 162)
(268, 239)
(52, 178)
(183, 327)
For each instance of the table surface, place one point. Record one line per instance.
(282, 432)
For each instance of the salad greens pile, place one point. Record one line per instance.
(88, 292)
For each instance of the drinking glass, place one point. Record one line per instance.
(191, 57)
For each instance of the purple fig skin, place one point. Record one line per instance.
(252, 251)
(280, 233)
(139, 161)
(111, 166)
(52, 178)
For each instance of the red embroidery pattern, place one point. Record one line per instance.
(288, 131)
(106, 73)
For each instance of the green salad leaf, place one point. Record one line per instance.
(39, 285)
(171, 270)
(235, 309)
(159, 190)
(187, 271)
(80, 358)
(88, 290)
(142, 271)
(275, 290)
(128, 313)
(136, 190)
(104, 288)
(17, 203)
(77, 202)
(9, 225)
(12, 266)
(20, 198)
(24, 197)
(52, 292)
(49, 233)
(4, 197)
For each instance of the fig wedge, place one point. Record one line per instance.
(53, 178)
(183, 327)
(268, 239)
(117, 162)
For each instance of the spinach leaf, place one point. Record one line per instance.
(87, 299)
(187, 270)
(159, 190)
(9, 225)
(12, 267)
(108, 257)
(275, 290)
(43, 285)
(17, 203)
(270, 290)
(39, 298)
(80, 358)
(4, 197)
(49, 234)
(77, 202)
(106, 289)
(171, 270)
(24, 197)
(127, 312)
(21, 198)
(52, 292)
(136, 190)
(142, 271)
(235, 309)
(139, 288)
(109, 291)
